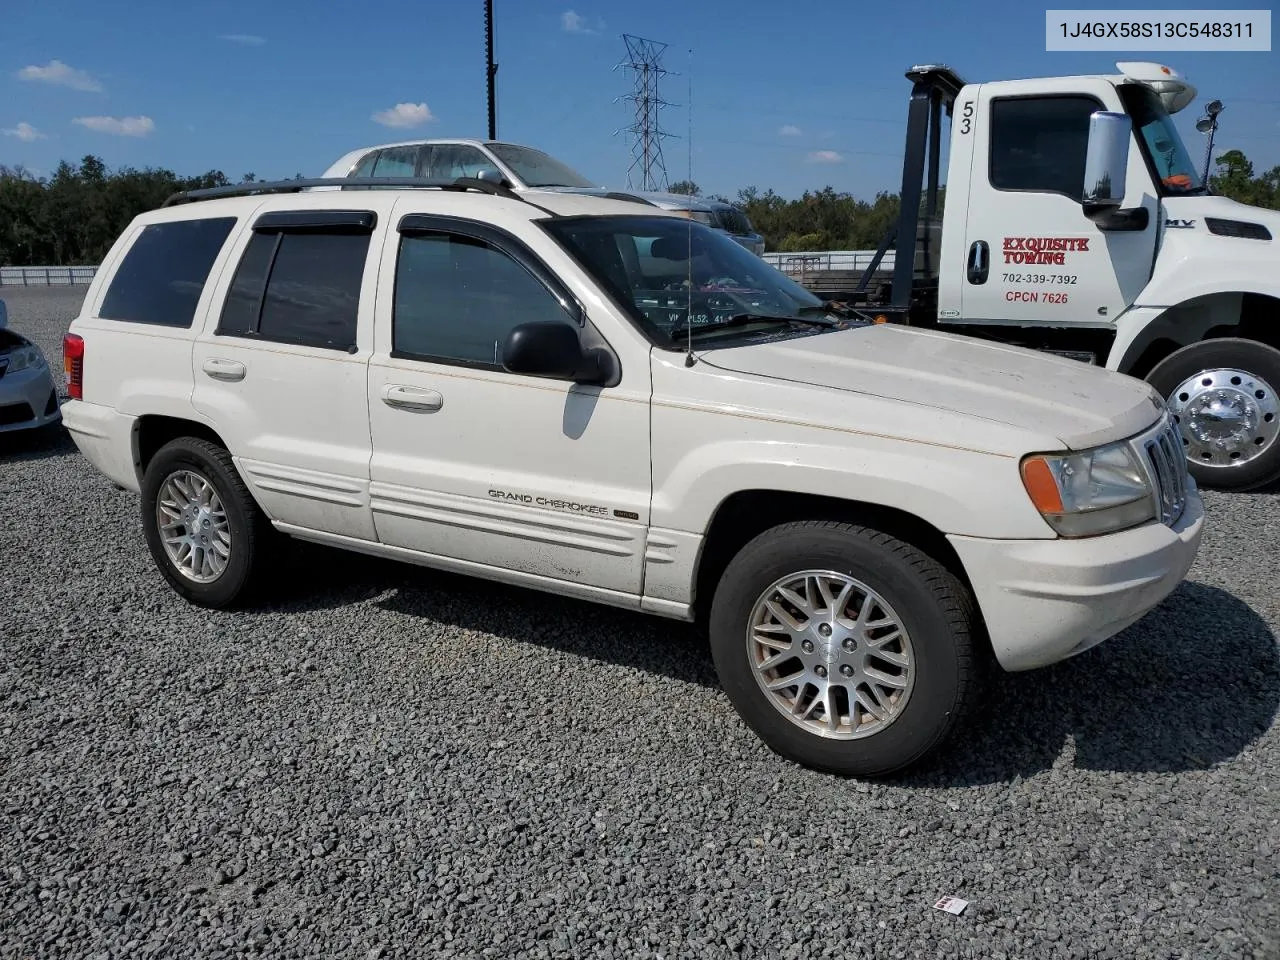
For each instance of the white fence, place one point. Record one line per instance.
(810, 261)
(798, 263)
(45, 276)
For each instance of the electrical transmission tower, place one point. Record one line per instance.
(645, 135)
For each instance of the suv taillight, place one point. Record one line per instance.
(73, 364)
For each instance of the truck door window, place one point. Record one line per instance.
(1039, 144)
(457, 297)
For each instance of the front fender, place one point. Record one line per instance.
(957, 492)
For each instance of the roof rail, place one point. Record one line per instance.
(293, 186)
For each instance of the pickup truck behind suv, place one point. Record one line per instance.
(601, 400)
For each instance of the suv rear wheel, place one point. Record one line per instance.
(845, 649)
(202, 526)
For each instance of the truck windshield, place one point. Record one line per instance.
(723, 290)
(536, 168)
(1173, 165)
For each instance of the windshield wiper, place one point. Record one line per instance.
(742, 319)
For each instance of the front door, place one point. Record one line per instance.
(1032, 256)
(542, 478)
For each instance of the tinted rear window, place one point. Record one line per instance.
(163, 274)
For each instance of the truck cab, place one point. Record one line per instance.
(1075, 221)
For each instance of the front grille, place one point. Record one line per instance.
(1168, 465)
(12, 413)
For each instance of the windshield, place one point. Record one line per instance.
(1173, 165)
(536, 168)
(644, 262)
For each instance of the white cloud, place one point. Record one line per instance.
(118, 126)
(25, 132)
(57, 72)
(825, 156)
(247, 39)
(405, 115)
(788, 130)
(572, 22)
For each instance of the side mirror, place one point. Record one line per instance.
(551, 349)
(1106, 162)
(489, 175)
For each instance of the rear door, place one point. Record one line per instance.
(1031, 255)
(281, 368)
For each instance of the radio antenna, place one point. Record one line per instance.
(689, 359)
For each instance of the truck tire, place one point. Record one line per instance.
(877, 638)
(1224, 394)
(204, 530)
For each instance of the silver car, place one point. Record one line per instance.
(523, 169)
(28, 398)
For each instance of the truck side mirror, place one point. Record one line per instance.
(1105, 163)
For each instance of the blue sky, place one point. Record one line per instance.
(792, 96)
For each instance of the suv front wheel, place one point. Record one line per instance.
(202, 526)
(845, 649)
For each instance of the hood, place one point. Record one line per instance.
(1186, 215)
(1077, 404)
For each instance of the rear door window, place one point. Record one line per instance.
(300, 285)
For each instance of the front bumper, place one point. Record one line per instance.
(1047, 600)
(28, 399)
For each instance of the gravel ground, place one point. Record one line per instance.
(390, 762)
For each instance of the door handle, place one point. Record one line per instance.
(411, 398)
(224, 369)
(979, 262)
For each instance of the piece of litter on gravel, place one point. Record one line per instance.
(951, 905)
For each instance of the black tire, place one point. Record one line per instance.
(1249, 356)
(936, 609)
(252, 536)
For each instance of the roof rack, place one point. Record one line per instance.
(293, 186)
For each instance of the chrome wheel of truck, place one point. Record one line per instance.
(1223, 394)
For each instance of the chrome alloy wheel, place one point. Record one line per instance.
(830, 654)
(193, 526)
(1227, 417)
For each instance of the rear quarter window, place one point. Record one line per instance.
(162, 275)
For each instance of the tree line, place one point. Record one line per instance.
(74, 216)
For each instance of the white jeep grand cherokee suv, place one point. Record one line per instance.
(598, 399)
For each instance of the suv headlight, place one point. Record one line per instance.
(1090, 492)
(24, 357)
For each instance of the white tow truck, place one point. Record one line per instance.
(1074, 220)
